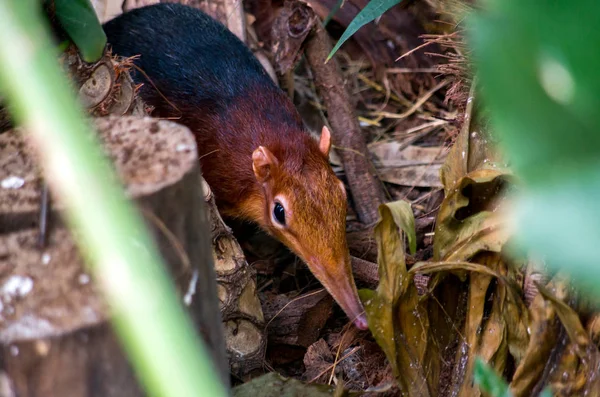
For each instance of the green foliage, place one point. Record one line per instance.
(372, 10)
(333, 11)
(79, 20)
(489, 381)
(539, 77)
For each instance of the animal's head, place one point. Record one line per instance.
(304, 205)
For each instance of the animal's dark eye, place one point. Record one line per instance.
(279, 213)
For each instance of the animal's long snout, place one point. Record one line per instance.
(353, 308)
(343, 290)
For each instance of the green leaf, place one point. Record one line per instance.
(79, 20)
(489, 381)
(374, 9)
(395, 217)
(547, 392)
(540, 81)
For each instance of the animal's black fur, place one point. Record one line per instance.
(187, 55)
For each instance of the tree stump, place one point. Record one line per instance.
(55, 336)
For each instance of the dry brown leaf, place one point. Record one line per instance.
(317, 360)
(473, 149)
(468, 223)
(408, 165)
(543, 329)
(405, 165)
(578, 372)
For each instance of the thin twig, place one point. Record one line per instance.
(44, 209)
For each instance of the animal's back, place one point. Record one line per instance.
(200, 59)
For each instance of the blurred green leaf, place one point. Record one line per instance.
(148, 316)
(546, 393)
(372, 10)
(540, 81)
(333, 11)
(489, 381)
(79, 20)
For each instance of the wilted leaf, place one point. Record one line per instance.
(459, 268)
(483, 336)
(490, 335)
(275, 385)
(371, 11)
(579, 367)
(570, 320)
(474, 148)
(543, 338)
(516, 316)
(396, 217)
(489, 381)
(515, 313)
(470, 220)
(397, 318)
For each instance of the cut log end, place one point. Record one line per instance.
(47, 298)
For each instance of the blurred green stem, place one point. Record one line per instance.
(157, 335)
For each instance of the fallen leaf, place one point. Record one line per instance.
(409, 165)
(318, 361)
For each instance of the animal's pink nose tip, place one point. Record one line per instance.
(361, 322)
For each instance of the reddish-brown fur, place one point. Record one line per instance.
(316, 229)
(253, 147)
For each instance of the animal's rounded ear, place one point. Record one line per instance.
(263, 162)
(325, 142)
